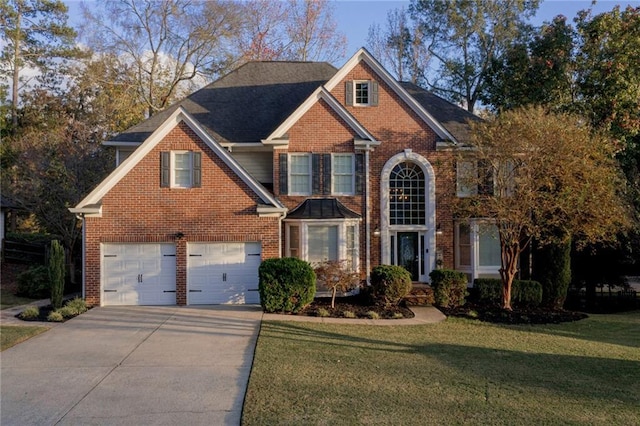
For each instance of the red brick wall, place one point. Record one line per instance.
(137, 209)
(397, 127)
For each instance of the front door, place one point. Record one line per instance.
(408, 253)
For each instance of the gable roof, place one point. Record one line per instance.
(451, 116)
(245, 105)
(363, 55)
(91, 204)
(321, 92)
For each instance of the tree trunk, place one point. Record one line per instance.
(16, 74)
(509, 258)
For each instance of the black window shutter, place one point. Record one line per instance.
(315, 173)
(284, 172)
(373, 96)
(326, 174)
(359, 174)
(197, 169)
(165, 169)
(348, 93)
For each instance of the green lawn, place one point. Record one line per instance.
(455, 372)
(11, 335)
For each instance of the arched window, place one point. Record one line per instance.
(407, 195)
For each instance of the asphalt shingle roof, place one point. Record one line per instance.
(247, 104)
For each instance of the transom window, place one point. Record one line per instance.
(407, 195)
(300, 174)
(343, 178)
(361, 89)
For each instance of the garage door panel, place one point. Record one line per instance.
(220, 273)
(139, 274)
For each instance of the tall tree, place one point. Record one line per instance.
(550, 172)
(538, 68)
(463, 37)
(399, 46)
(36, 34)
(168, 43)
(302, 30)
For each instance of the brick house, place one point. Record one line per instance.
(280, 159)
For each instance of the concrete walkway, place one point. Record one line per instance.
(133, 365)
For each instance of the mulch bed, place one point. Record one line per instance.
(519, 315)
(44, 313)
(358, 306)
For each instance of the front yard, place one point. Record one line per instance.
(456, 372)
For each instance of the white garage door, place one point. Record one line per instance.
(223, 273)
(138, 274)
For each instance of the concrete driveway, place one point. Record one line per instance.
(133, 365)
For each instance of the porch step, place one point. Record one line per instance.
(421, 295)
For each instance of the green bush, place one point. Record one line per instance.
(523, 292)
(55, 316)
(34, 283)
(76, 306)
(390, 284)
(286, 284)
(56, 273)
(30, 312)
(449, 287)
(552, 268)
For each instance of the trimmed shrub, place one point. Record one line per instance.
(34, 283)
(30, 312)
(56, 273)
(390, 284)
(523, 292)
(286, 284)
(449, 287)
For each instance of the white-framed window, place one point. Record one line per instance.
(477, 249)
(361, 92)
(299, 174)
(483, 178)
(317, 241)
(181, 169)
(343, 174)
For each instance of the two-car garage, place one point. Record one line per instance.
(145, 273)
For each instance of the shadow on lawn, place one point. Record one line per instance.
(582, 377)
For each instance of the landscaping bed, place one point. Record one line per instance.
(519, 315)
(355, 307)
(70, 309)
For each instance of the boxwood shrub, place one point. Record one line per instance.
(286, 284)
(449, 287)
(390, 284)
(523, 292)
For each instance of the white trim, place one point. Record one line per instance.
(278, 136)
(178, 116)
(353, 173)
(355, 90)
(429, 228)
(121, 143)
(363, 55)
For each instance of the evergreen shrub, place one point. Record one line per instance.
(390, 284)
(523, 292)
(449, 287)
(286, 284)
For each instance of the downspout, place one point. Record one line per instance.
(84, 245)
(367, 200)
(280, 224)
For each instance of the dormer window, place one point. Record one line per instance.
(361, 93)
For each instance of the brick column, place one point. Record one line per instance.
(181, 271)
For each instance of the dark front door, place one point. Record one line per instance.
(408, 254)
